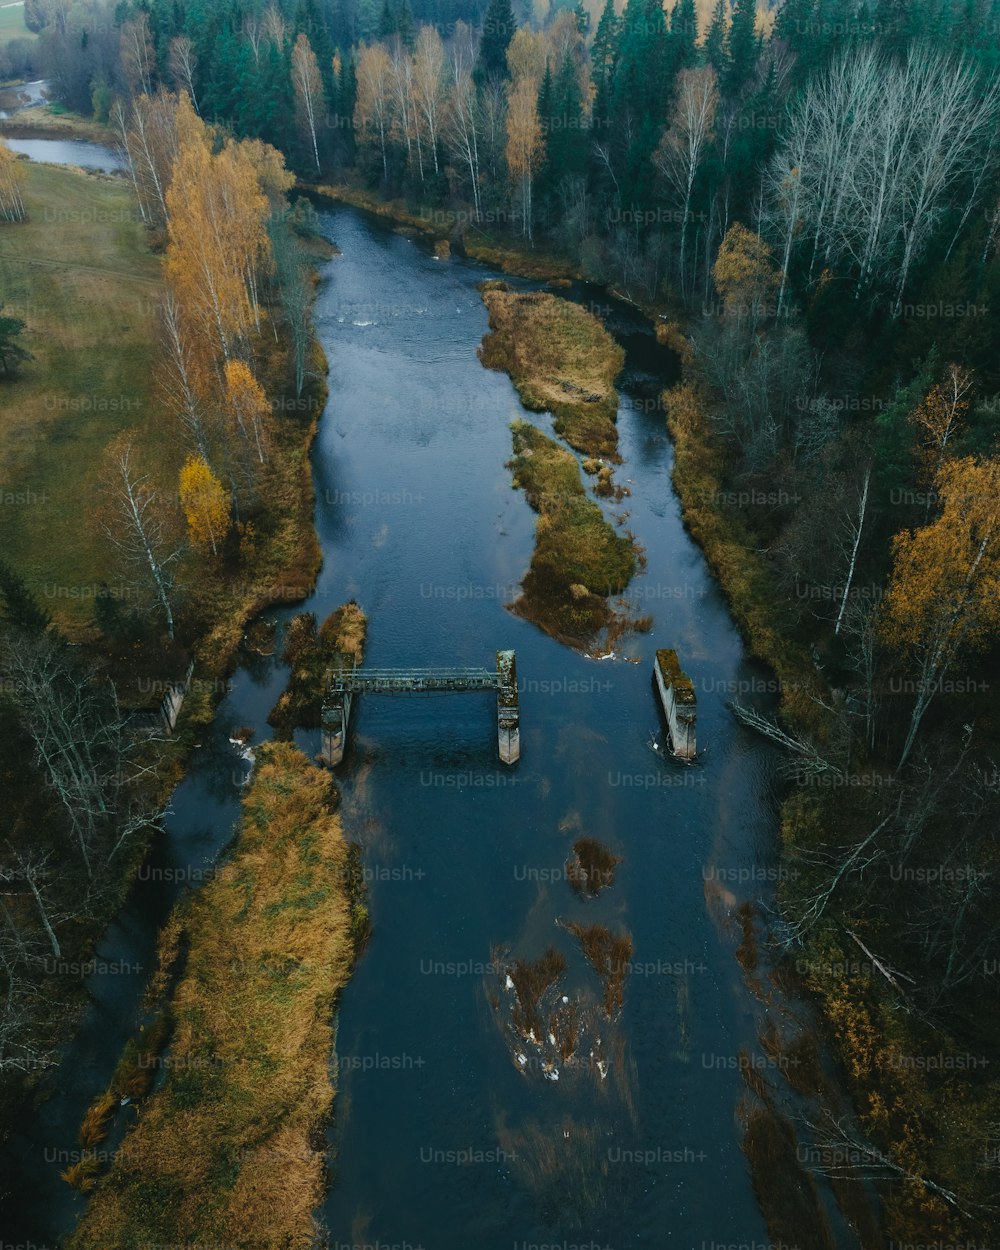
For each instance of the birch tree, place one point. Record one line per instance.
(461, 127)
(371, 111)
(855, 524)
(248, 405)
(682, 148)
(524, 144)
(11, 178)
(138, 527)
(403, 107)
(428, 87)
(138, 57)
(181, 376)
(308, 91)
(80, 736)
(182, 63)
(879, 147)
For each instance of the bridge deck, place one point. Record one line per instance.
(413, 681)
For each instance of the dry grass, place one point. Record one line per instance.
(96, 1122)
(578, 559)
(343, 635)
(561, 359)
(228, 1150)
(733, 553)
(47, 121)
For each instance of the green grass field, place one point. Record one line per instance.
(91, 328)
(12, 24)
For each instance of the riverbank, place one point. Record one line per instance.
(51, 121)
(459, 230)
(230, 1141)
(924, 1107)
(80, 272)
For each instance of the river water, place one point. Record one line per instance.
(79, 152)
(440, 1140)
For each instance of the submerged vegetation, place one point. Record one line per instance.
(231, 1138)
(610, 955)
(578, 559)
(561, 359)
(592, 867)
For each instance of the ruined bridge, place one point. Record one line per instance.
(342, 685)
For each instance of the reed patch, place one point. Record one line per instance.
(232, 1137)
(561, 359)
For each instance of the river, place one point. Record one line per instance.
(439, 1139)
(80, 152)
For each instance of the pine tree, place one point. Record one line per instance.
(743, 46)
(499, 25)
(602, 60)
(347, 96)
(717, 42)
(405, 26)
(387, 21)
(684, 34)
(793, 23)
(567, 147)
(642, 69)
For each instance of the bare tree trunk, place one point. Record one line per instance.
(856, 527)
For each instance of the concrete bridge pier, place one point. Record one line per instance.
(508, 709)
(336, 715)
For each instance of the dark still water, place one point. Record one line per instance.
(449, 1132)
(441, 1138)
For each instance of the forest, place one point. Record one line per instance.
(805, 199)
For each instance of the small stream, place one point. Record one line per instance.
(440, 1139)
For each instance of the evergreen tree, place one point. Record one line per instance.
(387, 21)
(560, 111)
(499, 25)
(743, 47)
(311, 19)
(405, 26)
(641, 69)
(567, 141)
(717, 42)
(602, 60)
(794, 23)
(347, 94)
(547, 177)
(684, 34)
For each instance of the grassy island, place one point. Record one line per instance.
(561, 359)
